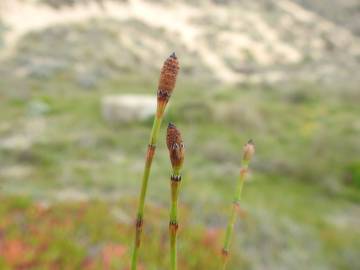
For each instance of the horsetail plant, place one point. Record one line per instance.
(249, 150)
(176, 151)
(166, 86)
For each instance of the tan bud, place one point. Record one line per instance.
(167, 79)
(249, 151)
(176, 147)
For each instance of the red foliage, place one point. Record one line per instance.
(111, 252)
(16, 254)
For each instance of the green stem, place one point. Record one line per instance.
(173, 252)
(233, 214)
(140, 211)
(173, 225)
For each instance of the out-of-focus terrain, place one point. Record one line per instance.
(284, 73)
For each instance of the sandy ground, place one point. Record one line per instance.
(178, 18)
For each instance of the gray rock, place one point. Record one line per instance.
(16, 143)
(128, 108)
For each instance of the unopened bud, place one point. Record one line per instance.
(167, 81)
(176, 147)
(249, 150)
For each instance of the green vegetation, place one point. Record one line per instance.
(91, 235)
(69, 179)
(305, 133)
(299, 198)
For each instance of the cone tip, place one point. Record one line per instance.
(173, 55)
(251, 141)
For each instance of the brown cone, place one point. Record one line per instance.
(175, 145)
(167, 79)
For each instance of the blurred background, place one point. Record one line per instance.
(78, 81)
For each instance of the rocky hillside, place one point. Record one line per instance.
(227, 41)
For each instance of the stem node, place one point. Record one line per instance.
(176, 177)
(139, 225)
(173, 227)
(225, 253)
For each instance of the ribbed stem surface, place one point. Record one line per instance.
(173, 225)
(233, 214)
(140, 211)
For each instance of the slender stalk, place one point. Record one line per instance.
(249, 150)
(140, 212)
(173, 224)
(167, 81)
(176, 151)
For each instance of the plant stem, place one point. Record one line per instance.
(176, 148)
(166, 85)
(234, 211)
(173, 224)
(140, 211)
